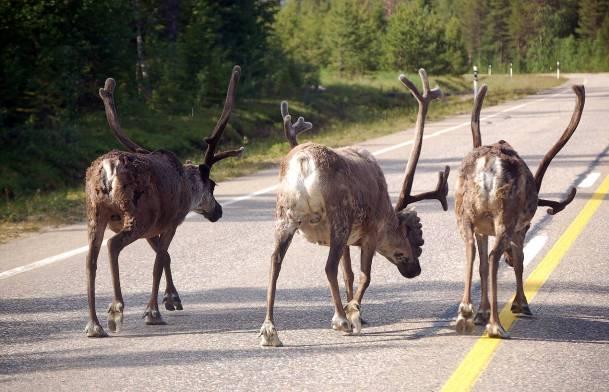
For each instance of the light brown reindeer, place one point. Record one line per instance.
(497, 195)
(338, 198)
(143, 194)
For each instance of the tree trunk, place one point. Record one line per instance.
(141, 72)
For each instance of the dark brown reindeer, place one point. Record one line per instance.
(338, 198)
(144, 194)
(497, 195)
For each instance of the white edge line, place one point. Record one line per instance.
(533, 247)
(47, 261)
(589, 180)
(83, 249)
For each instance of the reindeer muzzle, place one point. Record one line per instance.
(215, 214)
(409, 269)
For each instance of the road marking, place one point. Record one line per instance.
(589, 180)
(74, 252)
(534, 246)
(480, 355)
(47, 261)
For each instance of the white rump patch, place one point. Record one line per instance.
(302, 185)
(487, 178)
(110, 180)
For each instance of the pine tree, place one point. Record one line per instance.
(591, 16)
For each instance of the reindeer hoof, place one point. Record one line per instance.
(353, 311)
(172, 302)
(521, 309)
(340, 323)
(153, 317)
(465, 319)
(94, 330)
(482, 317)
(115, 317)
(496, 331)
(268, 335)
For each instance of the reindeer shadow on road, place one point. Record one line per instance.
(396, 315)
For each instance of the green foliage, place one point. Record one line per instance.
(416, 38)
(353, 35)
(56, 54)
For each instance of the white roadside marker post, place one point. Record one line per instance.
(490, 70)
(510, 70)
(475, 81)
(557, 69)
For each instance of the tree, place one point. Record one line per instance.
(591, 15)
(415, 38)
(353, 35)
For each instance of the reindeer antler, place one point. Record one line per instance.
(107, 96)
(476, 116)
(556, 206)
(292, 130)
(212, 141)
(442, 187)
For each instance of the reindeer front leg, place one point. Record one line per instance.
(152, 315)
(520, 304)
(353, 308)
(171, 299)
(483, 313)
(96, 235)
(345, 263)
(284, 232)
(338, 242)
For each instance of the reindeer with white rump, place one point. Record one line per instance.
(497, 195)
(144, 194)
(338, 198)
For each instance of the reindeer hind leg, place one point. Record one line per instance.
(465, 315)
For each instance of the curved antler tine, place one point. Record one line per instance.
(475, 123)
(284, 109)
(557, 206)
(292, 130)
(442, 187)
(580, 92)
(405, 197)
(227, 154)
(107, 96)
(424, 81)
(213, 139)
(410, 86)
(301, 125)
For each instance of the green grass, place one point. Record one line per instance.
(41, 172)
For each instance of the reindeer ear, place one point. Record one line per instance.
(204, 170)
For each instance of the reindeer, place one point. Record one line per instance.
(144, 194)
(339, 198)
(497, 195)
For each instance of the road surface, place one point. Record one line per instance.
(221, 273)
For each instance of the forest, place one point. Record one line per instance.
(173, 58)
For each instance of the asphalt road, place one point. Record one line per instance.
(221, 273)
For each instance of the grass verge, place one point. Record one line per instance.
(344, 112)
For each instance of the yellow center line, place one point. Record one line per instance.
(474, 363)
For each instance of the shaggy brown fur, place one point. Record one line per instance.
(497, 195)
(339, 198)
(142, 194)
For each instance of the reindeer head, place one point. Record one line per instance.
(202, 186)
(402, 245)
(206, 204)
